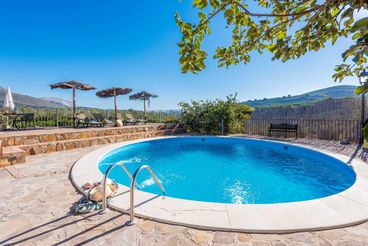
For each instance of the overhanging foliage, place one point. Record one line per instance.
(288, 29)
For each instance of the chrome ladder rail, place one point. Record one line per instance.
(122, 165)
(133, 184)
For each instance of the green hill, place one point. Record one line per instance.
(336, 92)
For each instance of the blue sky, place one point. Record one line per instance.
(134, 44)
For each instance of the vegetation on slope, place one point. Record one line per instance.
(335, 92)
(215, 117)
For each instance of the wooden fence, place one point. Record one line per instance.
(309, 128)
(332, 119)
(342, 109)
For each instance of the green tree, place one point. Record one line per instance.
(208, 117)
(286, 28)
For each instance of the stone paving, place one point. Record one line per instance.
(36, 201)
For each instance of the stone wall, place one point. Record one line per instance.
(34, 142)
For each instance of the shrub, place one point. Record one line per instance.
(206, 117)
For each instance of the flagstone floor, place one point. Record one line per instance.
(36, 198)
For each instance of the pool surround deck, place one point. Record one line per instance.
(340, 210)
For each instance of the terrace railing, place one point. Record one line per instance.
(63, 117)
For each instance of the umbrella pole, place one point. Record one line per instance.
(115, 108)
(74, 115)
(145, 116)
(7, 122)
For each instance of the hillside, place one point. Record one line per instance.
(336, 92)
(24, 100)
(59, 101)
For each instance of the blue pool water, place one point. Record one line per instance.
(232, 170)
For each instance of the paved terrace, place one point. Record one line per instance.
(36, 198)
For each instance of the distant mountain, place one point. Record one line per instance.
(336, 92)
(24, 100)
(57, 100)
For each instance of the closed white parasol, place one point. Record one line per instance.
(8, 100)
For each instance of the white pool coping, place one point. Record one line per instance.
(340, 210)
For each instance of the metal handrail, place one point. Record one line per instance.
(132, 185)
(122, 165)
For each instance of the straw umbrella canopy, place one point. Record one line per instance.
(145, 96)
(113, 92)
(74, 85)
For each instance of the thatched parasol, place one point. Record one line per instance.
(74, 85)
(144, 95)
(113, 92)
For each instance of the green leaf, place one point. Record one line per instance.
(347, 13)
(202, 15)
(246, 20)
(348, 22)
(300, 9)
(356, 36)
(334, 38)
(228, 12)
(280, 35)
(271, 47)
(214, 3)
(361, 89)
(360, 24)
(200, 3)
(334, 12)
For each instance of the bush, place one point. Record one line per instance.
(206, 117)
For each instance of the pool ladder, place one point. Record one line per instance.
(133, 184)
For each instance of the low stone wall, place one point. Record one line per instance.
(48, 147)
(43, 136)
(18, 144)
(12, 155)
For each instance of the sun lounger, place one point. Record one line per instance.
(101, 118)
(83, 121)
(130, 120)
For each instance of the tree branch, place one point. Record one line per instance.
(278, 15)
(216, 12)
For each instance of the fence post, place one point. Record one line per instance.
(222, 126)
(57, 117)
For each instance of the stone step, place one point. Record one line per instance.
(12, 155)
(47, 147)
(62, 134)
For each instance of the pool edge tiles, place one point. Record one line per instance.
(348, 207)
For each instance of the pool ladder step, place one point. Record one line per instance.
(133, 185)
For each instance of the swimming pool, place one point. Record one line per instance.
(231, 170)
